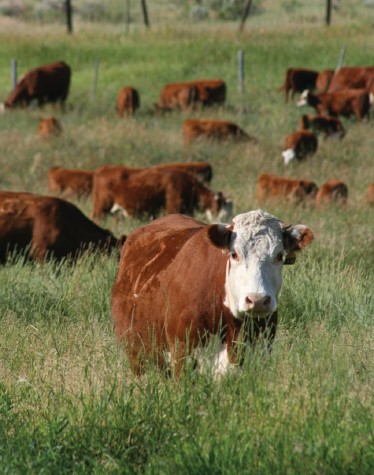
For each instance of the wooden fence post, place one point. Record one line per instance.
(245, 14)
(13, 64)
(241, 71)
(328, 12)
(128, 15)
(69, 16)
(145, 13)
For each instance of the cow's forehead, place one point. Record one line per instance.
(257, 230)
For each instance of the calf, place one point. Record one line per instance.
(181, 281)
(346, 103)
(333, 191)
(299, 145)
(70, 182)
(272, 187)
(181, 96)
(210, 91)
(49, 127)
(44, 226)
(128, 101)
(147, 192)
(297, 80)
(212, 130)
(328, 126)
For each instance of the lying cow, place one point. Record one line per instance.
(272, 187)
(194, 129)
(370, 194)
(355, 77)
(333, 191)
(297, 80)
(128, 101)
(298, 145)
(49, 83)
(70, 182)
(49, 127)
(44, 226)
(180, 281)
(346, 103)
(150, 191)
(181, 96)
(328, 126)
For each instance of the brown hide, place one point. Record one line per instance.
(212, 130)
(170, 287)
(297, 80)
(352, 78)
(202, 170)
(324, 79)
(328, 126)
(333, 191)
(128, 101)
(49, 127)
(303, 142)
(47, 226)
(271, 187)
(70, 182)
(49, 83)
(370, 194)
(210, 91)
(177, 96)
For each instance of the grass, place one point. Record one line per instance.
(68, 401)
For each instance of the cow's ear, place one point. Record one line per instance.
(295, 237)
(220, 235)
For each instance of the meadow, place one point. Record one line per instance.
(68, 401)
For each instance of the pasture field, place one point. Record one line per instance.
(68, 401)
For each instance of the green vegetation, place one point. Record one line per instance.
(68, 402)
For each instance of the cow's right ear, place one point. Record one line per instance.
(220, 235)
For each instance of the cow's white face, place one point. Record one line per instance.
(288, 155)
(303, 101)
(259, 245)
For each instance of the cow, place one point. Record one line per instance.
(298, 145)
(182, 96)
(128, 101)
(46, 226)
(297, 80)
(352, 77)
(220, 130)
(323, 80)
(70, 182)
(49, 127)
(210, 91)
(44, 84)
(370, 194)
(324, 124)
(273, 188)
(333, 191)
(181, 281)
(346, 103)
(202, 170)
(147, 192)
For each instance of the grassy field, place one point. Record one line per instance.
(68, 402)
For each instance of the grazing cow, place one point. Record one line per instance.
(46, 226)
(70, 182)
(352, 78)
(212, 130)
(210, 91)
(299, 145)
(49, 83)
(345, 103)
(324, 79)
(202, 170)
(297, 80)
(333, 191)
(177, 96)
(272, 187)
(180, 281)
(49, 127)
(128, 101)
(328, 126)
(148, 191)
(370, 194)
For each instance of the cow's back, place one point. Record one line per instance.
(352, 78)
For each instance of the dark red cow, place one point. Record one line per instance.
(297, 80)
(298, 145)
(128, 101)
(323, 124)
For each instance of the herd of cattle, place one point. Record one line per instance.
(179, 276)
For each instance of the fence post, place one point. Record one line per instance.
(128, 15)
(13, 64)
(95, 74)
(341, 58)
(241, 71)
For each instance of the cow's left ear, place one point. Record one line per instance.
(220, 235)
(295, 238)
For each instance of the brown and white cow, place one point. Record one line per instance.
(148, 192)
(328, 126)
(352, 77)
(181, 96)
(333, 191)
(297, 80)
(209, 129)
(49, 127)
(298, 145)
(370, 194)
(70, 181)
(45, 226)
(346, 102)
(128, 101)
(180, 281)
(48, 83)
(273, 187)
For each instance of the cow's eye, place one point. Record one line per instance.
(280, 257)
(234, 256)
